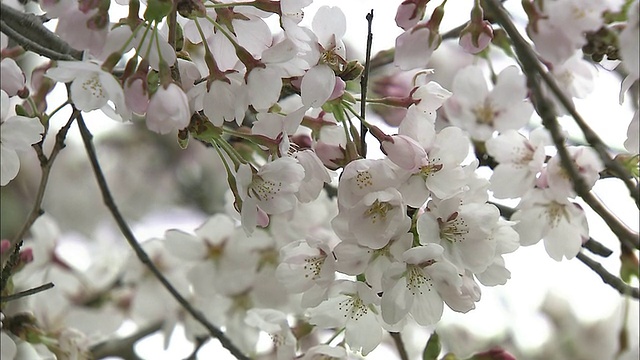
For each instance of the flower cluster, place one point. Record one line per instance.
(317, 237)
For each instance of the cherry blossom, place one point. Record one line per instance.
(18, 134)
(91, 87)
(11, 77)
(520, 160)
(480, 111)
(168, 110)
(559, 222)
(413, 286)
(352, 305)
(586, 161)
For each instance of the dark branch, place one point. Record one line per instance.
(533, 70)
(397, 339)
(28, 31)
(608, 278)
(364, 83)
(25, 293)
(140, 253)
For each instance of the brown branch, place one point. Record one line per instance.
(531, 67)
(608, 278)
(25, 293)
(530, 60)
(140, 253)
(27, 30)
(397, 339)
(36, 211)
(123, 347)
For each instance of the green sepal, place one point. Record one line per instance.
(433, 348)
(157, 10)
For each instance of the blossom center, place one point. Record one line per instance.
(93, 85)
(353, 307)
(313, 266)
(265, 190)
(378, 211)
(431, 169)
(454, 229)
(364, 179)
(555, 212)
(485, 113)
(417, 281)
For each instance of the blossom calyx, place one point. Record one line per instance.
(478, 33)
(191, 9)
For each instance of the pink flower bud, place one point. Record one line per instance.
(338, 89)
(5, 245)
(405, 152)
(136, 95)
(494, 354)
(330, 155)
(11, 77)
(476, 37)
(26, 256)
(406, 16)
(168, 110)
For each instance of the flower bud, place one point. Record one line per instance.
(168, 110)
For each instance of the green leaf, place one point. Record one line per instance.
(157, 10)
(433, 347)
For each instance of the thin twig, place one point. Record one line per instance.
(591, 244)
(123, 347)
(544, 108)
(140, 253)
(364, 83)
(397, 339)
(45, 165)
(608, 278)
(29, 292)
(528, 58)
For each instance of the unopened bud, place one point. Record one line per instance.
(351, 71)
(5, 245)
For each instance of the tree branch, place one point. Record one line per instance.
(608, 278)
(28, 31)
(36, 211)
(532, 69)
(397, 339)
(364, 83)
(25, 293)
(140, 253)
(123, 347)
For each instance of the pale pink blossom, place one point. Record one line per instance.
(562, 224)
(11, 77)
(587, 163)
(520, 160)
(168, 110)
(18, 134)
(482, 112)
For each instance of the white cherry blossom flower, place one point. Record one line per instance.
(306, 264)
(412, 287)
(363, 176)
(482, 112)
(272, 189)
(414, 48)
(462, 230)
(560, 223)
(377, 217)
(629, 41)
(91, 87)
(507, 241)
(274, 323)
(520, 160)
(587, 163)
(632, 144)
(17, 133)
(352, 305)
(439, 173)
(354, 259)
(575, 77)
